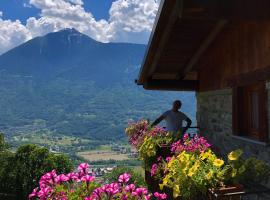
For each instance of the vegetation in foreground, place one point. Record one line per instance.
(20, 171)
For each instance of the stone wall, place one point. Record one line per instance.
(214, 116)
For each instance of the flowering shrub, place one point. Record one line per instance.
(81, 185)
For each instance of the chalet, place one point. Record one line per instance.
(221, 50)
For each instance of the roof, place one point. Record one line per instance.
(182, 32)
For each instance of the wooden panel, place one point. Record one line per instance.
(242, 48)
(250, 111)
(187, 37)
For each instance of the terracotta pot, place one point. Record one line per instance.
(233, 192)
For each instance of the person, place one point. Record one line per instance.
(174, 120)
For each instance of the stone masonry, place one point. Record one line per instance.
(214, 116)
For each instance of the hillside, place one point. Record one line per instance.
(71, 84)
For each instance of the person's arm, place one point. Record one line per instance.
(189, 122)
(158, 120)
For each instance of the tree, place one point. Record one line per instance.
(21, 171)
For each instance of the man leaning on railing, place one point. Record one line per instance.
(174, 120)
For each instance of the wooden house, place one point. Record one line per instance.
(221, 50)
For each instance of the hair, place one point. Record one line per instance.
(178, 102)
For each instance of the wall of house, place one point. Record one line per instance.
(214, 116)
(240, 53)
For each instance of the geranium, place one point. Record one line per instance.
(154, 169)
(160, 196)
(82, 185)
(196, 144)
(136, 132)
(124, 178)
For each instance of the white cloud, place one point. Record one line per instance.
(129, 21)
(12, 34)
(1, 14)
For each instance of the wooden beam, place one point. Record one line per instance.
(167, 16)
(203, 47)
(249, 78)
(173, 85)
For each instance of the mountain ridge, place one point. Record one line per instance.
(78, 86)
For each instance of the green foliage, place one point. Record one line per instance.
(136, 177)
(252, 171)
(21, 170)
(3, 144)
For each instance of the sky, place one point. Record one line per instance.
(104, 20)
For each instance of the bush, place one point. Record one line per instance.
(21, 170)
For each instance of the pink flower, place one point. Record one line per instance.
(168, 159)
(130, 188)
(48, 179)
(61, 178)
(72, 176)
(154, 169)
(124, 178)
(34, 193)
(88, 179)
(140, 192)
(159, 158)
(160, 196)
(124, 197)
(83, 168)
(44, 193)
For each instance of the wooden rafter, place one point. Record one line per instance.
(203, 47)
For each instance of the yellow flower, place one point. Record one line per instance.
(176, 191)
(218, 162)
(234, 173)
(204, 155)
(234, 155)
(192, 171)
(209, 175)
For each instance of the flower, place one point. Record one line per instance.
(160, 196)
(34, 193)
(176, 191)
(61, 178)
(154, 169)
(124, 178)
(83, 167)
(88, 179)
(234, 155)
(130, 188)
(209, 175)
(140, 192)
(218, 162)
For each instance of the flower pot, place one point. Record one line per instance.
(233, 192)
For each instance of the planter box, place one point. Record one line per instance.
(234, 192)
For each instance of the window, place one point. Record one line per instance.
(250, 111)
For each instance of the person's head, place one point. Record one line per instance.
(176, 105)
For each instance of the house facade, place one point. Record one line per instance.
(221, 50)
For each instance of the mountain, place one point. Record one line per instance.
(71, 84)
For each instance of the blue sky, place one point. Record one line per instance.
(20, 9)
(103, 20)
